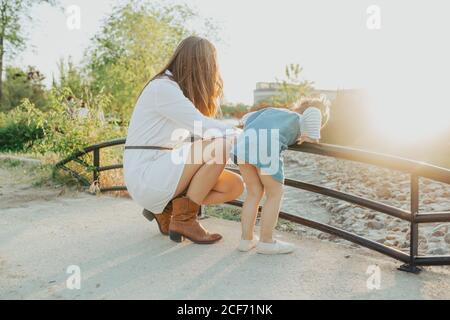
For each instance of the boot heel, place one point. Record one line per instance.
(148, 215)
(175, 236)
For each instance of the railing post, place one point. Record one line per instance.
(96, 163)
(201, 215)
(414, 231)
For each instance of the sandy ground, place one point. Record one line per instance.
(44, 231)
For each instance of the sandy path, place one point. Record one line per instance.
(121, 255)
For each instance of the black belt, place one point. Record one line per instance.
(192, 139)
(147, 148)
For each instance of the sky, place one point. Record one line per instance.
(402, 58)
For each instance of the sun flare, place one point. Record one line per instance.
(411, 120)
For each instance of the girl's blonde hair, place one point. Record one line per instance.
(194, 67)
(320, 102)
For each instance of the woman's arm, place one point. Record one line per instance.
(171, 103)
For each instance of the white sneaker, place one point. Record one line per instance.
(276, 247)
(247, 245)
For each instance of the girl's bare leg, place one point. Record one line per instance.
(271, 208)
(255, 192)
(204, 177)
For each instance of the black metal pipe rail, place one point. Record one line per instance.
(415, 169)
(370, 204)
(412, 167)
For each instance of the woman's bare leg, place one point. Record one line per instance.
(228, 187)
(255, 192)
(202, 176)
(271, 208)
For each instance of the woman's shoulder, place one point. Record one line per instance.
(164, 81)
(167, 85)
(163, 87)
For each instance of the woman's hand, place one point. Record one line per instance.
(304, 138)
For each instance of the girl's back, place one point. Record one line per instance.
(285, 121)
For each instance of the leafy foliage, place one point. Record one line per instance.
(20, 84)
(27, 128)
(71, 77)
(234, 110)
(20, 128)
(133, 45)
(12, 39)
(290, 89)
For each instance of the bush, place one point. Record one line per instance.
(23, 84)
(20, 128)
(26, 128)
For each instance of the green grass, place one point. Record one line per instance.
(231, 213)
(224, 212)
(10, 163)
(35, 174)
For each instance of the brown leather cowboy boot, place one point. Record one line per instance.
(184, 223)
(163, 219)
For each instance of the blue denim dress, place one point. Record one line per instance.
(267, 133)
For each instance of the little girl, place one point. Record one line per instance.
(267, 133)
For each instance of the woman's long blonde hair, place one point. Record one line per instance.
(194, 67)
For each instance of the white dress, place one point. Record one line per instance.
(162, 117)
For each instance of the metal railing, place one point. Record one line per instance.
(415, 169)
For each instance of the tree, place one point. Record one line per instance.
(293, 87)
(12, 38)
(71, 77)
(289, 90)
(133, 45)
(23, 84)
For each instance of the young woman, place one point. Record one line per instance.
(162, 172)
